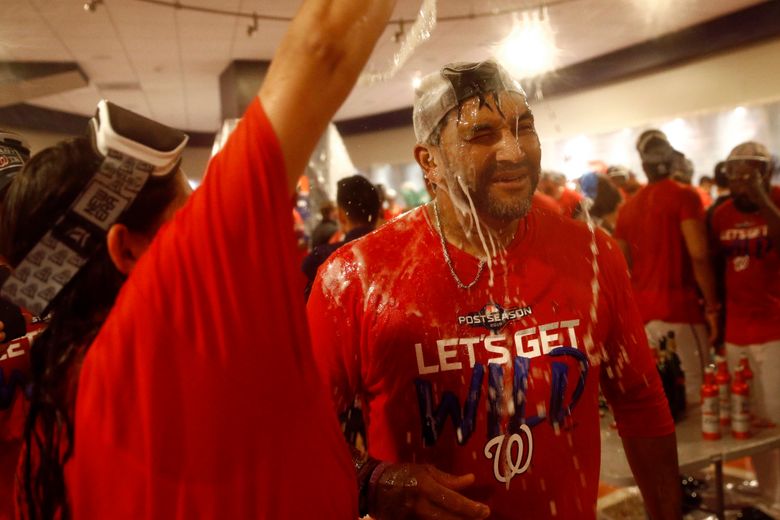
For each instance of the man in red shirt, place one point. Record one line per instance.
(745, 232)
(476, 331)
(663, 237)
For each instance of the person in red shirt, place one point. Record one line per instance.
(662, 234)
(553, 185)
(477, 347)
(157, 394)
(745, 232)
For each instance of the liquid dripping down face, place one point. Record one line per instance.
(492, 145)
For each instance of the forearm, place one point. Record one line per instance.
(771, 214)
(705, 279)
(653, 462)
(314, 69)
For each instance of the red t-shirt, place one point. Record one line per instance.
(443, 372)
(14, 380)
(661, 272)
(569, 201)
(200, 398)
(752, 273)
(706, 198)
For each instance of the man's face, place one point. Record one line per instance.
(745, 177)
(492, 150)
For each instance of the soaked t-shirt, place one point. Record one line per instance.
(661, 271)
(752, 273)
(200, 398)
(500, 380)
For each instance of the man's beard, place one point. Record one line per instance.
(505, 210)
(744, 204)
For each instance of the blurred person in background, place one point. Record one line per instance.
(662, 234)
(632, 185)
(721, 183)
(706, 183)
(605, 200)
(157, 400)
(618, 176)
(745, 233)
(358, 213)
(327, 226)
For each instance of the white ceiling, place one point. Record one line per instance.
(165, 63)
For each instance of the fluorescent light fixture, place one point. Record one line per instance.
(529, 50)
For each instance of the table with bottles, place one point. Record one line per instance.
(692, 450)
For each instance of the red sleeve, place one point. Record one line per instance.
(199, 397)
(334, 310)
(691, 207)
(629, 378)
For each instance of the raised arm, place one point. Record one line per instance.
(315, 68)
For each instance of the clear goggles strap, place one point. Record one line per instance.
(57, 257)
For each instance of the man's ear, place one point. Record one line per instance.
(425, 158)
(342, 217)
(125, 247)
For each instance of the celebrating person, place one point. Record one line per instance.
(745, 232)
(475, 332)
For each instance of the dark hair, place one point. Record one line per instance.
(359, 199)
(36, 198)
(607, 198)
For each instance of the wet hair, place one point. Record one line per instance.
(38, 195)
(359, 199)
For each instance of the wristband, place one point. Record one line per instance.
(365, 470)
(374, 480)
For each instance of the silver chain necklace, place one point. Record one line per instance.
(447, 258)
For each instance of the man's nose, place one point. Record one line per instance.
(509, 148)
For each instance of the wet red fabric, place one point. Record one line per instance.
(14, 378)
(390, 325)
(661, 272)
(199, 398)
(569, 201)
(752, 271)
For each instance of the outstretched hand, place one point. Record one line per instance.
(411, 491)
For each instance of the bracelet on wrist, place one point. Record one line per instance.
(373, 482)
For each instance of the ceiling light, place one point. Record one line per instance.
(529, 50)
(416, 81)
(91, 5)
